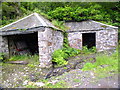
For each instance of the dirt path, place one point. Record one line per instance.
(13, 76)
(86, 79)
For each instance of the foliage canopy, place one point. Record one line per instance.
(107, 12)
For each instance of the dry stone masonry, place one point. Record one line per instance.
(106, 39)
(106, 36)
(48, 41)
(4, 45)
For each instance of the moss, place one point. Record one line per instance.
(77, 80)
(104, 26)
(60, 84)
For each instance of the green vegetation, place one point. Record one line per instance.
(58, 13)
(107, 12)
(59, 24)
(85, 50)
(77, 80)
(1, 56)
(60, 84)
(104, 65)
(24, 57)
(61, 55)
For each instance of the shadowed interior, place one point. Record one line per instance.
(23, 44)
(89, 39)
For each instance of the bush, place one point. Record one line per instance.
(85, 50)
(71, 51)
(59, 56)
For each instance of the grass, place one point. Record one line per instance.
(60, 84)
(60, 25)
(104, 65)
(77, 80)
(24, 57)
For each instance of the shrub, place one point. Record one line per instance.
(59, 57)
(1, 56)
(71, 51)
(85, 50)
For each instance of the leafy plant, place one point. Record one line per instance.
(85, 50)
(60, 84)
(59, 24)
(33, 58)
(1, 56)
(59, 57)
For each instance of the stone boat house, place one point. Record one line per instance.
(34, 34)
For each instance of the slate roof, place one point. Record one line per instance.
(36, 22)
(88, 25)
(29, 22)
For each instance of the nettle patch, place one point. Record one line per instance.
(60, 56)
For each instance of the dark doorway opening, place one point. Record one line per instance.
(89, 39)
(23, 44)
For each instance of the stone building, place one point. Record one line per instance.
(34, 34)
(91, 33)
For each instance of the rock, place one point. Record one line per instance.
(53, 82)
(25, 82)
(33, 77)
(39, 84)
(31, 83)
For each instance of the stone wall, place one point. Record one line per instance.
(48, 41)
(4, 45)
(106, 39)
(75, 40)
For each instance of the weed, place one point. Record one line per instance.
(60, 84)
(24, 57)
(31, 65)
(104, 64)
(31, 86)
(59, 57)
(65, 67)
(76, 80)
(1, 56)
(59, 24)
(85, 50)
(19, 57)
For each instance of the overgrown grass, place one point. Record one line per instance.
(104, 64)
(85, 50)
(24, 57)
(60, 84)
(60, 25)
(59, 56)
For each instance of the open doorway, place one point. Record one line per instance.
(23, 44)
(89, 39)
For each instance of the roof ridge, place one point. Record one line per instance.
(38, 17)
(16, 21)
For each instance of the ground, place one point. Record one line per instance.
(70, 76)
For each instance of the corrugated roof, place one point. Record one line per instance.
(31, 21)
(88, 26)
